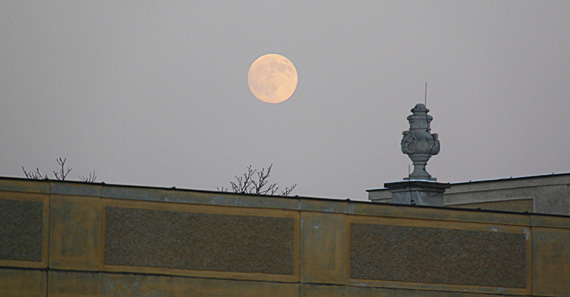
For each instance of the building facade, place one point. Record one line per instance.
(81, 239)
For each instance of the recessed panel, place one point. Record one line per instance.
(21, 230)
(437, 256)
(199, 241)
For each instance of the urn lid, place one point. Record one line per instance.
(419, 118)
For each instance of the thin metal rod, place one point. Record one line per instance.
(425, 98)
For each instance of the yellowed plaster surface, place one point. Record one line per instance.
(324, 206)
(206, 209)
(131, 285)
(562, 222)
(312, 290)
(551, 262)
(397, 292)
(75, 231)
(25, 186)
(22, 283)
(72, 284)
(410, 212)
(323, 248)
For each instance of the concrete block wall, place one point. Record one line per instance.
(77, 239)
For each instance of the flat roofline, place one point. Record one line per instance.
(173, 188)
(286, 197)
(511, 178)
(491, 180)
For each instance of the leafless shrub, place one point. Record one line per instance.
(63, 172)
(256, 182)
(34, 174)
(60, 174)
(88, 179)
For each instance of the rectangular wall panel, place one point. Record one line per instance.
(21, 230)
(199, 241)
(437, 255)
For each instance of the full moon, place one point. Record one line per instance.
(272, 78)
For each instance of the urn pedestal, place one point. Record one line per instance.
(417, 192)
(419, 188)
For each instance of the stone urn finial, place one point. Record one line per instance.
(418, 143)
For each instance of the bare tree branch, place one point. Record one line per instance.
(34, 174)
(60, 174)
(256, 182)
(88, 179)
(288, 190)
(63, 172)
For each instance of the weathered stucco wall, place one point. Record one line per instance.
(76, 239)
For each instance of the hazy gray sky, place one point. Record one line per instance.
(155, 92)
